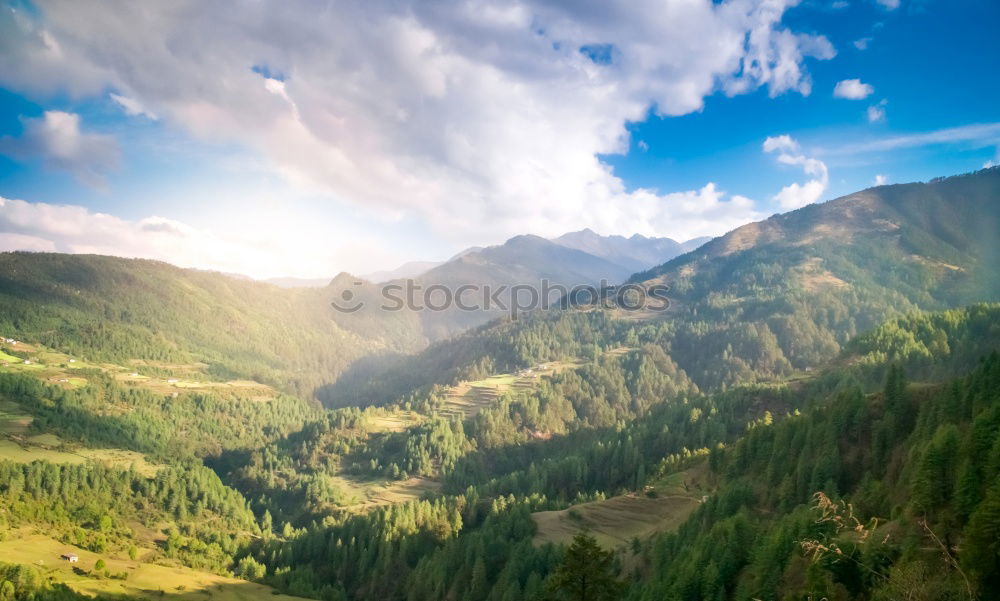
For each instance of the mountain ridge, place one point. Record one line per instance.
(767, 299)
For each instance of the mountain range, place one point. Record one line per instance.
(635, 253)
(797, 285)
(777, 295)
(816, 416)
(581, 258)
(623, 257)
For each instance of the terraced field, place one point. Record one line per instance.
(615, 521)
(64, 370)
(370, 494)
(469, 398)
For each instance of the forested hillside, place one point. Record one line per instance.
(896, 454)
(809, 280)
(892, 497)
(762, 302)
(821, 489)
(113, 310)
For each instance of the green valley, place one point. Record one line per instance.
(811, 419)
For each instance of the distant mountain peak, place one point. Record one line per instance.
(344, 279)
(526, 239)
(410, 269)
(635, 253)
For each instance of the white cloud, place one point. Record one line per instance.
(876, 112)
(852, 89)
(889, 4)
(862, 43)
(794, 196)
(880, 180)
(981, 135)
(994, 161)
(783, 142)
(10, 241)
(260, 246)
(56, 139)
(132, 106)
(480, 118)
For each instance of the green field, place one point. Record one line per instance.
(466, 399)
(5, 358)
(662, 507)
(145, 580)
(12, 419)
(39, 448)
(615, 521)
(171, 385)
(369, 494)
(16, 444)
(62, 369)
(394, 421)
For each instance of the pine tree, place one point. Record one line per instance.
(479, 586)
(586, 574)
(981, 549)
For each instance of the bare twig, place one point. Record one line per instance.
(949, 558)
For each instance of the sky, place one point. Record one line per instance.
(305, 138)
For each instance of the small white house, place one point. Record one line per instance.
(27, 362)
(70, 557)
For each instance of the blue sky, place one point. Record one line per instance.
(292, 143)
(931, 63)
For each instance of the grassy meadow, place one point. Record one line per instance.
(143, 580)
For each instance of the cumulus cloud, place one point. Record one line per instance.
(880, 180)
(862, 43)
(889, 4)
(55, 138)
(795, 195)
(9, 241)
(783, 142)
(482, 117)
(852, 89)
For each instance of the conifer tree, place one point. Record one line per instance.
(586, 574)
